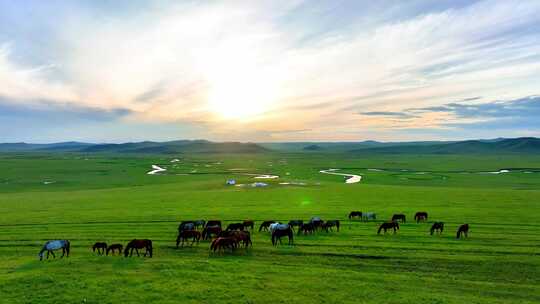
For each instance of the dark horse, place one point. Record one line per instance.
(194, 235)
(329, 224)
(277, 234)
(211, 230)
(213, 223)
(265, 225)
(354, 214)
(463, 229)
(307, 228)
(296, 223)
(100, 246)
(50, 246)
(114, 247)
(398, 217)
(388, 225)
(235, 226)
(249, 223)
(199, 223)
(138, 244)
(420, 216)
(437, 226)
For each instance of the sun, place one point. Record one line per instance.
(241, 95)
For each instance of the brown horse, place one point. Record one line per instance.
(437, 226)
(398, 217)
(329, 224)
(194, 235)
(101, 247)
(138, 244)
(388, 225)
(209, 231)
(265, 225)
(241, 236)
(421, 216)
(249, 223)
(463, 229)
(223, 243)
(114, 247)
(354, 214)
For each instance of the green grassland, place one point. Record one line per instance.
(94, 197)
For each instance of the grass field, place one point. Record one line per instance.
(89, 198)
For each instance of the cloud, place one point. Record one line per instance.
(303, 66)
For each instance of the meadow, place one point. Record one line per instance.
(97, 197)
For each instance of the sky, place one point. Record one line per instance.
(268, 71)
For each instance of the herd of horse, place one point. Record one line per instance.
(237, 235)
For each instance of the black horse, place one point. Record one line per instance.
(235, 226)
(421, 216)
(265, 225)
(277, 234)
(437, 226)
(398, 217)
(354, 214)
(329, 224)
(463, 230)
(101, 247)
(388, 225)
(317, 222)
(307, 228)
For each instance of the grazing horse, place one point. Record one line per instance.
(186, 225)
(463, 229)
(211, 230)
(138, 244)
(317, 222)
(366, 216)
(222, 243)
(240, 236)
(249, 223)
(235, 226)
(114, 247)
(296, 223)
(184, 235)
(354, 214)
(279, 232)
(199, 223)
(50, 246)
(329, 224)
(437, 226)
(421, 216)
(388, 225)
(100, 246)
(306, 228)
(265, 225)
(213, 223)
(398, 217)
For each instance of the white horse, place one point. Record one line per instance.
(278, 226)
(366, 216)
(50, 246)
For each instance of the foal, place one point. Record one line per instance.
(101, 247)
(115, 247)
(463, 229)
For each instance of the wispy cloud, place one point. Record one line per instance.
(348, 68)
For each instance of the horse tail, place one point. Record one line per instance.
(337, 225)
(432, 229)
(149, 247)
(458, 233)
(380, 228)
(273, 238)
(68, 245)
(126, 251)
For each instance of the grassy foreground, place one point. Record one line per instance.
(110, 198)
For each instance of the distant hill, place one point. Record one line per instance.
(513, 145)
(145, 147)
(482, 146)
